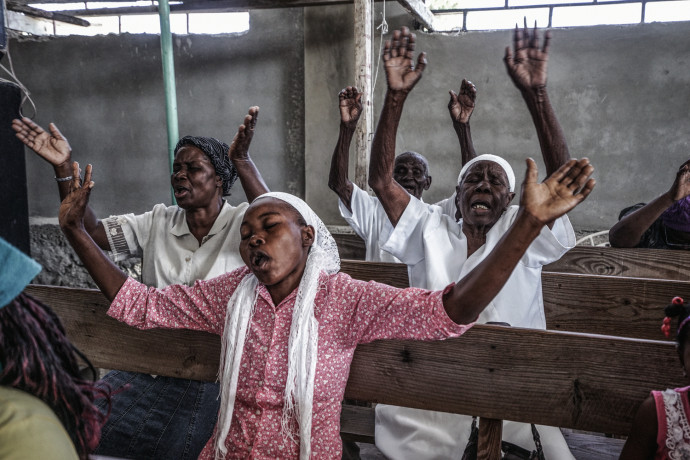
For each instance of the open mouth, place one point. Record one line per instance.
(480, 206)
(259, 259)
(180, 191)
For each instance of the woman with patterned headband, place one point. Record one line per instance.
(165, 417)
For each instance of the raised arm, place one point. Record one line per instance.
(540, 203)
(629, 230)
(250, 177)
(527, 69)
(401, 76)
(350, 102)
(460, 107)
(107, 275)
(54, 148)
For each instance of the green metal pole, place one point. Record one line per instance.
(169, 81)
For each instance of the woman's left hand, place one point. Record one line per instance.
(73, 207)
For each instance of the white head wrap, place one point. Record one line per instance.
(496, 159)
(303, 342)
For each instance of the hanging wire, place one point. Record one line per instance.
(26, 95)
(383, 29)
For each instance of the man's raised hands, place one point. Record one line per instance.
(52, 147)
(350, 101)
(527, 66)
(398, 61)
(461, 105)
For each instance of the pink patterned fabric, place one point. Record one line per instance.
(349, 312)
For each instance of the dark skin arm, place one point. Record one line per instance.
(401, 76)
(107, 275)
(250, 177)
(540, 203)
(641, 443)
(629, 230)
(460, 107)
(53, 147)
(527, 69)
(350, 102)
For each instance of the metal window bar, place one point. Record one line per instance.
(507, 6)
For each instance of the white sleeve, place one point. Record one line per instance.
(551, 244)
(448, 206)
(127, 234)
(363, 207)
(406, 240)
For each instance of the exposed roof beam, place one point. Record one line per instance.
(420, 11)
(35, 12)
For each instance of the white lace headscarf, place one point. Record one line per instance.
(303, 342)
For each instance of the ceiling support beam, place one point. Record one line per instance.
(36, 13)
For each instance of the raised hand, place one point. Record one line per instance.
(52, 147)
(398, 54)
(239, 149)
(73, 207)
(527, 67)
(461, 105)
(350, 100)
(558, 193)
(681, 186)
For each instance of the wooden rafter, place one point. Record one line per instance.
(38, 13)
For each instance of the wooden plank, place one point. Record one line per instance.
(570, 380)
(387, 273)
(489, 442)
(580, 381)
(636, 262)
(357, 423)
(350, 246)
(609, 305)
(38, 13)
(111, 344)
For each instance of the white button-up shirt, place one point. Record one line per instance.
(170, 253)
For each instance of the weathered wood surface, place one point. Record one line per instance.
(489, 439)
(609, 305)
(595, 304)
(640, 263)
(580, 381)
(350, 246)
(571, 380)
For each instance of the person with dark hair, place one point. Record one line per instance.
(155, 416)
(46, 408)
(290, 322)
(663, 223)
(660, 429)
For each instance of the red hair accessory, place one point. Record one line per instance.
(677, 300)
(666, 327)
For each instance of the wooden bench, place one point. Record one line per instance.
(572, 380)
(585, 260)
(595, 304)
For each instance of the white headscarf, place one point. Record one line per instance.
(496, 159)
(303, 342)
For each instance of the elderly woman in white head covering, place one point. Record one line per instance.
(290, 322)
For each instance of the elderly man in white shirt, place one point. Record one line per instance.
(438, 250)
(363, 212)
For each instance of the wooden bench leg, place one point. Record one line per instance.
(489, 442)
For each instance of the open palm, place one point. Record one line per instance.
(52, 147)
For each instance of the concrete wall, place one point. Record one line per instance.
(621, 94)
(106, 95)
